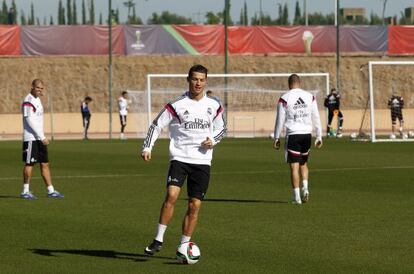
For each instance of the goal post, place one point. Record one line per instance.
(382, 85)
(252, 95)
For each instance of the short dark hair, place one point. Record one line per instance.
(293, 79)
(36, 81)
(88, 98)
(124, 92)
(197, 68)
(333, 89)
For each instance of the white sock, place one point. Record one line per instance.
(305, 184)
(296, 193)
(25, 188)
(185, 239)
(50, 189)
(160, 232)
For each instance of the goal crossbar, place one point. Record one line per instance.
(228, 75)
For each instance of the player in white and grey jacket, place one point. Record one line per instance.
(196, 124)
(35, 142)
(297, 111)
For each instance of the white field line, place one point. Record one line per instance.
(218, 173)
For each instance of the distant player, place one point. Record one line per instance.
(35, 142)
(332, 102)
(396, 104)
(196, 125)
(297, 110)
(86, 116)
(123, 103)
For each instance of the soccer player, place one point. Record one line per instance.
(123, 112)
(396, 104)
(86, 116)
(196, 125)
(332, 102)
(35, 142)
(297, 110)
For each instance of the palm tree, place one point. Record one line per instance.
(129, 4)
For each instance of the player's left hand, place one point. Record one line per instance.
(207, 143)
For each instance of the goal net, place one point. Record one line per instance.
(249, 99)
(390, 111)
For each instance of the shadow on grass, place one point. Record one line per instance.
(98, 253)
(244, 201)
(9, 197)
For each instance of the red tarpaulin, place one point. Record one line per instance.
(400, 39)
(71, 40)
(9, 40)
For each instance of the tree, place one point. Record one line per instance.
(3, 15)
(229, 21)
(74, 14)
(100, 18)
(83, 13)
(92, 13)
(285, 15)
(14, 7)
(375, 19)
(32, 15)
(23, 20)
(51, 23)
(404, 20)
(168, 19)
(212, 19)
(246, 20)
(69, 12)
(129, 4)
(61, 14)
(135, 20)
(298, 19)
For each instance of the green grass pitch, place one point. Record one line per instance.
(359, 218)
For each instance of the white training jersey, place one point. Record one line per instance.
(123, 106)
(32, 110)
(297, 110)
(190, 123)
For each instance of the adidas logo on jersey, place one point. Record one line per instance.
(186, 112)
(300, 104)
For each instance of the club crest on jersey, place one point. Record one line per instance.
(209, 111)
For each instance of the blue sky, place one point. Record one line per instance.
(196, 9)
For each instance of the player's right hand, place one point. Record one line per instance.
(146, 156)
(318, 143)
(45, 141)
(276, 144)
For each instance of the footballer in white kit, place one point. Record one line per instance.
(35, 142)
(196, 124)
(297, 111)
(123, 103)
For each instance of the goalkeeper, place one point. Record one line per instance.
(396, 104)
(332, 102)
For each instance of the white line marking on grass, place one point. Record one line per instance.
(218, 173)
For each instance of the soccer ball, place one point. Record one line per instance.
(392, 136)
(272, 135)
(353, 135)
(411, 133)
(188, 253)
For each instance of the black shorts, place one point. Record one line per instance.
(34, 152)
(198, 177)
(297, 148)
(396, 113)
(123, 120)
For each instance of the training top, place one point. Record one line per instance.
(85, 108)
(297, 110)
(190, 123)
(396, 102)
(332, 101)
(32, 110)
(123, 106)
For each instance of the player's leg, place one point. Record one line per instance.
(340, 123)
(177, 174)
(123, 125)
(305, 142)
(29, 159)
(330, 118)
(45, 171)
(293, 156)
(393, 121)
(400, 118)
(197, 185)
